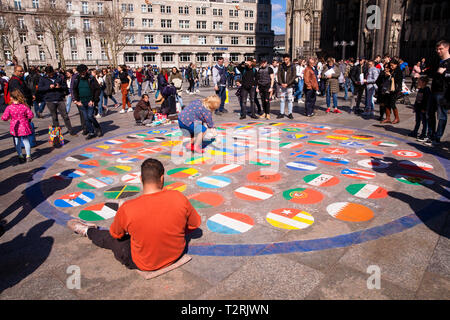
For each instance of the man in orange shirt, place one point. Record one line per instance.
(148, 233)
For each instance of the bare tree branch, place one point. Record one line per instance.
(54, 19)
(9, 36)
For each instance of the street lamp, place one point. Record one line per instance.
(344, 44)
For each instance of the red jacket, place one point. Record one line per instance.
(139, 77)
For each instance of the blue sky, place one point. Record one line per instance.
(278, 16)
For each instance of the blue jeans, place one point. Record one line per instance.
(348, 84)
(299, 93)
(139, 85)
(88, 115)
(132, 87)
(441, 114)
(223, 95)
(335, 98)
(38, 107)
(193, 129)
(370, 92)
(105, 99)
(18, 144)
(100, 103)
(68, 103)
(178, 99)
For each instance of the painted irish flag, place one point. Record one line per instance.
(116, 170)
(321, 180)
(99, 212)
(367, 191)
(290, 219)
(204, 200)
(230, 223)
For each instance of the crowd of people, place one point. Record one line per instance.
(379, 81)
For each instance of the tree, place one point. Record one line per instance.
(54, 16)
(113, 34)
(9, 37)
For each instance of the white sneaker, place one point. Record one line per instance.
(80, 227)
(122, 111)
(98, 116)
(197, 90)
(130, 110)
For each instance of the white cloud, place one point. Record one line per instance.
(276, 7)
(278, 30)
(279, 15)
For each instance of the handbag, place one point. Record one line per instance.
(56, 138)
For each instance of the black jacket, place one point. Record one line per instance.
(355, 71)
(93, 84)
(55, 94)
(19, 84)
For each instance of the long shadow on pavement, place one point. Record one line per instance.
(16, 267)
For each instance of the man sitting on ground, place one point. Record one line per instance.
(148, 233)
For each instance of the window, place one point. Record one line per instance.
(128, 22)
(130, 7)
(166, 23)
(216, 56)
(167, 57)
(8, 55)
(149, 57)
(217, 25)
(101, 25)
(234, 26)
(100, 7)
(234, 56)
(184, 24)
(218, 40)
(71, 24)
(248, 13)
(104, 55)
(53, 4)
(35, 4)
(74, 54)
(21, 23)
(84, 7)
(185, 40)
(18, 4)
(234, 13)
(185, 57)
(88, 42)
(69, 6)
(166, 9)
(202, 57)
(37, 22)
(40, 36)
(167, 38)
(248, 27)
(234, 40)
(200, 11)
(124, 7)
(89, 54)
(86, 25)
(73, 42)
(201, 24)
(147, 23)
(201, 39)
(22, 37)
(250, 41)
(130, 57)
(183, 10)
(217, 12)
(148, 39)
(130, 39)
(146, 8)
(41, 54)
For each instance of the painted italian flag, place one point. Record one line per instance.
(98, 212)
(321, 180)
(367, 191)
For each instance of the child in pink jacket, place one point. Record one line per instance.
(20, 115)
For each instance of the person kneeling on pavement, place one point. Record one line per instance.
(143, 112)
(148, 233)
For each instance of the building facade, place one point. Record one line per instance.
(164, 33)
(352, 28)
